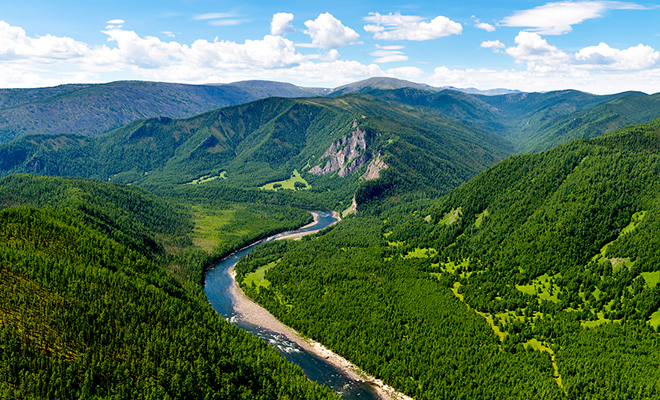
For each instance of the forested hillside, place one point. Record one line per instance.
(267, 141)
(536, 279)
(87, 309)
(91, 110)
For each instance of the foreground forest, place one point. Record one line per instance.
(456, 272)
(537, 279)
(89, 310)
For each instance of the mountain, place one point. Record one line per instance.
(88, 310)
(529, 121)
(380, 83)
(536, 279)
(532, 122)
(91, 110)
(333, 142)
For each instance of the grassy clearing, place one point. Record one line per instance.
(208, 178)
(451, 217)
(591, 324)
(634, 221)
(231, 224)
(654, 321)
(543, 287)
(652, 278)
(257, 278)
(209, 221)
(480, 218)
(289, 183)
(422, 253)
(536, 345)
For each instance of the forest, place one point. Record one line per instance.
(461, 269)
(536, 279)
(89, 309)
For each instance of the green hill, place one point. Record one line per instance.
(332, 142)
(91, 110)
(87, 309)
(536, 279)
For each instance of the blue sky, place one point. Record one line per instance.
(595, 46)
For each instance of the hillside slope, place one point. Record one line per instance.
(536, 279)
(332, 142)
(91, 110)
(87, 311)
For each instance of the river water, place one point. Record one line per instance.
(217, 288)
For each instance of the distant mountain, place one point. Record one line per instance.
(91, 110)
(531, 122)
(333, 142)
(380, 83)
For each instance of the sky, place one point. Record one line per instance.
(599, 47)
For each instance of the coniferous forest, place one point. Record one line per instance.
(462, 268)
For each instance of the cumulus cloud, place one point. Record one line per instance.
(327, 32)
(535, 81)
(405, 72)
(558, 18)
(281, 24)
(531, 47)
(410, 27)
(543, 57)
(32, 62)
(496, 45)
(604, 57)
(16, 45)
(482, 25)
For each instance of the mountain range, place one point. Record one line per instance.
(492, 246)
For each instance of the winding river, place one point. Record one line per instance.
(221, 293)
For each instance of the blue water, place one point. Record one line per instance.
(217, 286)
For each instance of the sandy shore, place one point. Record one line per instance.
(296, 236)
(253, 313)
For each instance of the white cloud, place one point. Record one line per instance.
(16, 45)
(339, 72)
(496, 45)
(535, 81)
(604, 57)
(543, 57)
(215, 16)
(385, 55)
(281, 24)
(115, 22)
(327, 32)
(410, 27)
(168, 34)
(330, 55)
(33, 62)
(390, 47)
(558, 18)
(405, 72)
(531, 47)
(483, 25)
(221, 19)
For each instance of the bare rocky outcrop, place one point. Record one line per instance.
(373, 170)
(347, 155)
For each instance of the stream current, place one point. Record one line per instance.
(217, 287)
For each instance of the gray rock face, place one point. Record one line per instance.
(347, 155)
(373, 170)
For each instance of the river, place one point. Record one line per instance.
(218, 287)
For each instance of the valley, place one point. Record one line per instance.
(491, 246)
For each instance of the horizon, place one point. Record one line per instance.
(599, 47)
